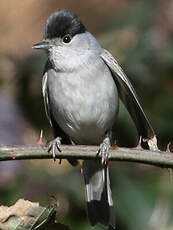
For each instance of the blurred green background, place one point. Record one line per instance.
(139, 33)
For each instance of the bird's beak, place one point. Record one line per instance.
(42, 45)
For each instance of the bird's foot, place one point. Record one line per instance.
(104, 150)
(53, 145)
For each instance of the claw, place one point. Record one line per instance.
(53, 145)
(104, 150)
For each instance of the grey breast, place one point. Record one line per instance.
(84, 102)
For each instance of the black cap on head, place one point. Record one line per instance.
(62, 23)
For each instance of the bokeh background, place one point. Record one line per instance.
(139, 33)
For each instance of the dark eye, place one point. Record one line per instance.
(66, 39)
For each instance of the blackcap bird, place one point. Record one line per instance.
(82, 84)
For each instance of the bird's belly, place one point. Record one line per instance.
(86, 125)
(85, 110)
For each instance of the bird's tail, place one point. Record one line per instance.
(98, 193)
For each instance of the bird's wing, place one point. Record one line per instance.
(45, 97)
(58, 132)
(128, 96)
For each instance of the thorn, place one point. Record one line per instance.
(139, 146)
(170, 171)
(168, 148)
(81, 169)
(81, 166)
(40, 141)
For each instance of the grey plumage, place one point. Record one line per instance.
(81, 86)
(128, 96)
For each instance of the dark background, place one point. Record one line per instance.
(139, 34)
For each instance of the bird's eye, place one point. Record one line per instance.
(66, 39)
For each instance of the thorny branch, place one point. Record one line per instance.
(157, 158)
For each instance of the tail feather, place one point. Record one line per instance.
(98, 193)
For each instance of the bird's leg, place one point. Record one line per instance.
(53, 145)
(104, 148)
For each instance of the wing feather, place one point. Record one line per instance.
(58, 132)
(128, 96)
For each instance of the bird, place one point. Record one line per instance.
(82, 85)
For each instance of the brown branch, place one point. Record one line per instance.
(157, 158)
